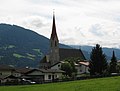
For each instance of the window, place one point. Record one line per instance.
(58, 65)
(80, 70)
(55, 76)
(55, 43)
(0, 73)
(49, 76)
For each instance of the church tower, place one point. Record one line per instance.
(54, 44)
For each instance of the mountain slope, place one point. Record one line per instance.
(22, 47)
(108, 51)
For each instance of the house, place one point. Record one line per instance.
(9, 79)
(82, 68)
(22, 71)
(6, 70)
(46, 75)
(40, 75)
(118, 62)
(8, 73)
(57, 65)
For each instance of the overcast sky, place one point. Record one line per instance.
(78, 22)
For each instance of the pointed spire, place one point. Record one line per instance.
(113, 57)
(54, 33)
(113, 53)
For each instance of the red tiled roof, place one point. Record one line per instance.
(84, 63)
(118, 61)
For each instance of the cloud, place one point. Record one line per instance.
(82, 22)
(35, 21)
(97, 30)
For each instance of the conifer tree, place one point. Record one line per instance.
(113, 64)
(98, 63)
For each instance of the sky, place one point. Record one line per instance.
(78, 22)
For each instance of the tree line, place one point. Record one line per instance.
(98, 64)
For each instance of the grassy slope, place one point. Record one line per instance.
(102, 84)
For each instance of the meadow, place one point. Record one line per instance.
(98, 84)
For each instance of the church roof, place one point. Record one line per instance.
(68, 53)
(44, 60)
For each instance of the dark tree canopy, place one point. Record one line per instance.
(113, 64)
(67, 68)
(98, 63)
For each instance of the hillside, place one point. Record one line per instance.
(108, 51)
(22, 47)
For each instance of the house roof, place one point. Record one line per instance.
(67, 53)
(6, 67)
(26, 77)
(56, 63)
(51, 71)
(118, 61)
(46, 71)
(7, 76)
(3, 76)
(84, 63)
(23, 70)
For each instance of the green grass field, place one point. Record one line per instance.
(100, 84)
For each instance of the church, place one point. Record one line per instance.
(57, 55)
